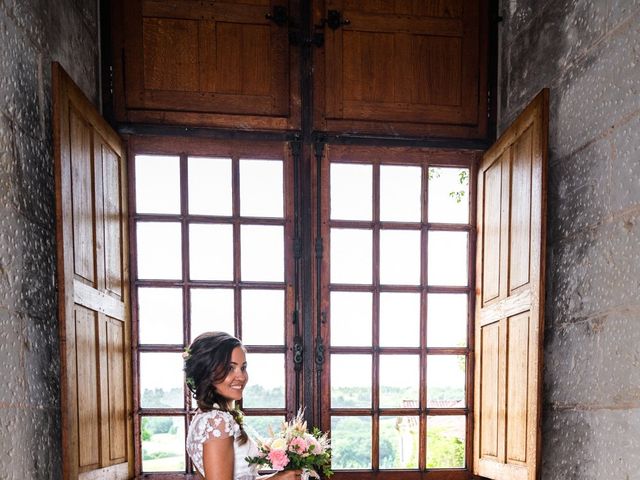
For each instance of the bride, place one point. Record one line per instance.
(216, 374)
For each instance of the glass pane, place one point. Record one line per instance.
(263, 317)
(262, 253)
(210, 186)
(350, 256)
(399, 380)
(350, 381)
(161, 380)
(351, 191)
(258, 427)
(399, 442)
(159, 250)
(400, 193)
(162, 444)
(399, 257)
(266, 381)
(261, 188)
(157, 184)
(446, 320)
(399, 319)
(446, 381)
(448, 195)
(448, 258)
(211, 310)
(350, 443)
(160, 315)
(445, 441)
(210, 252)
(351, 319)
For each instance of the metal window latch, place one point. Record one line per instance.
(297, 352)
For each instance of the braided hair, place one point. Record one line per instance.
(206, 362)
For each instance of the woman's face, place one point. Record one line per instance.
(233, 384)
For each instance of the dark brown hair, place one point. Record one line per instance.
(207, 362)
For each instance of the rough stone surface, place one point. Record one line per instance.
(573, 452)
(33, 33)
(587, 53)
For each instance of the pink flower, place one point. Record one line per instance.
(278, 459)
(298, 445)
(317, 447)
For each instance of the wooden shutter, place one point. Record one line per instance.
(510, 297)
(415, 68)
(221, 63)
(93, 290)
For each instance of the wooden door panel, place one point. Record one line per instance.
(489, 397)
(188, 59)
(87, 387)
(410, 66)
(82, 197)
(170, 54)
(520, 239)
(510, 297)
(91, 220)
(492, 184)
(117, 394)
(518, 343)
(113, 221)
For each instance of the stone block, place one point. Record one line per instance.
(19, 82)
(42, 361)
(594, 363)
(597, 92)
(27, 256)
(76, 48)
(621, 11)
(579, 190)
(13, 391)
(32, 17)
(591, 445)
(625, 179)
(34, 185)
(518, 14)
(596, 271)
(557, 36)
(33, 449)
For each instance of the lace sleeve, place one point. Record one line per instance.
(219, 425)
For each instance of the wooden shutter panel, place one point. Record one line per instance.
(93, 289)
(510, 298)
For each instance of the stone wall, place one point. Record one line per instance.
(33, 33)
(588, 54)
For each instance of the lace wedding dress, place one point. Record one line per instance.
(206, 426)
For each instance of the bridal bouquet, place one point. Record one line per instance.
(295, 448)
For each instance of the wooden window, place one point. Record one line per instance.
(397, 298)
(212, 229)
(396, 277)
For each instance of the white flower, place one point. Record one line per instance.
(279, 444)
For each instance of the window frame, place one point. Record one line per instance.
(183, 147)
(398, 156)
(299, 223)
